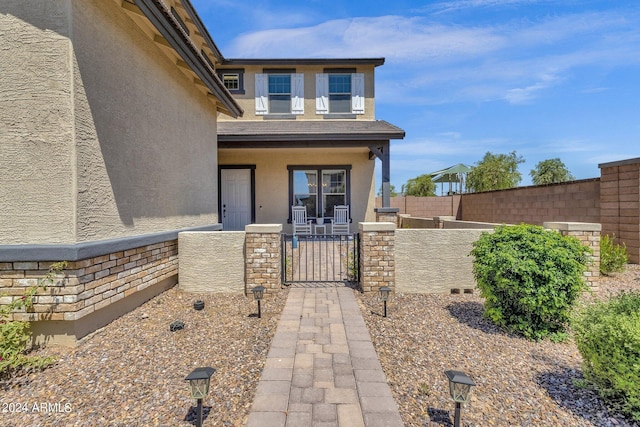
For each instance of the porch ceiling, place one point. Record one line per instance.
(272, 133)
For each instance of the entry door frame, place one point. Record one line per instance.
(252, 169)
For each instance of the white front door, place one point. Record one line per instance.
(236, 198)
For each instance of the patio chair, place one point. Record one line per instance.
(299, 220)
(340, 221)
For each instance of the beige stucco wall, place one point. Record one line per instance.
(106, 137)
(211, 261)
(434, 260)
(36, 122)
(272, 179)
(247, 100)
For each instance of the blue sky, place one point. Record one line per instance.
(462, 77)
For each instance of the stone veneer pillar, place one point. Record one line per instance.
(589, 235)
(263, 256)
(387, 215)
(377, 256)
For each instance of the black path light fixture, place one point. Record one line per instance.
(258, 293)
(385, 291)
(459, 387)
(199, 380)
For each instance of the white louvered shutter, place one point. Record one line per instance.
(297, 93)
(322, 94)
(262, 94)
(357, 93)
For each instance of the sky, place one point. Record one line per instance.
(546, 79)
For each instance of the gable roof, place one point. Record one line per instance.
(273, 133)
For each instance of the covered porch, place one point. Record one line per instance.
(266, 167)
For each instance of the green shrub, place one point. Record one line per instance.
(613, 257)
(15, 336)
(607, 334)
(530, 278)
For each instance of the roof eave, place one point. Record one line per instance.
(303, 61)
(161, 19)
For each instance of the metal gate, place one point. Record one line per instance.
(320, 258)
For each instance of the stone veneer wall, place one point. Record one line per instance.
(84, 296)
(377, 256)
(263, 256)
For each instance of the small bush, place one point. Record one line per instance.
(15, 336)
(607, 334)
(613, 257)
(530, 278)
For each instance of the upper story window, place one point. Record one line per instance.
(233, 80)
(279, 93)
(339, 93)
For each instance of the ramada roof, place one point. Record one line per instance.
(328, 131)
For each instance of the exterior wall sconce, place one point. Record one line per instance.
(385, 291)
(199, 380)
(459, 387)
(258, 293)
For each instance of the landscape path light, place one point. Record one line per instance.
(199, 380)
(459, 387)
(258, 293)
(385, 291)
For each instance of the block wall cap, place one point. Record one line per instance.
(376, 226)
(573, 226)
(263, 228)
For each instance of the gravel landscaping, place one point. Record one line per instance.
(131, 373)
(519, 382)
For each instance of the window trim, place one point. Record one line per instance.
(239, 72)
(319, 169)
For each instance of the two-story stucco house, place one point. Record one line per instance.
(121, 125)
(308, 136)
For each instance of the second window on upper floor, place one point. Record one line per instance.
(279, 93)
(340, 93)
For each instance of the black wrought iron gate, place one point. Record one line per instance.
(320, 258)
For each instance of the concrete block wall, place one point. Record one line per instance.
(212, 261)
(426, 207)
(435, 260)
(620, 203)
(577, 201)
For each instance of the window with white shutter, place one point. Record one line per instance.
(262, 94)
(297, 93)
(340, 93)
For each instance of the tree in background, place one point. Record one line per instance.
(392, 191)
(421, 185)
(495, 172)
(550, 171)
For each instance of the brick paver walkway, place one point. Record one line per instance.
(322, 369)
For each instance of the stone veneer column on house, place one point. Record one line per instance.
(263, 256)
(377, 256)
(589, 235)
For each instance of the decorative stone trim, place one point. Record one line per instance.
(263, 256)
(88, 285)
(589, 235)
(377, 256)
